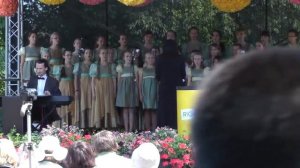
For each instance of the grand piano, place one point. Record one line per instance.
(12, 105)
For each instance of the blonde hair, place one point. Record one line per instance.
(52, 36)
(104, 141)
(8, 154)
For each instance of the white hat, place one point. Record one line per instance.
(145, 156)
(51, 143)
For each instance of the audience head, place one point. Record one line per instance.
(49, 149)
(8, 154)
(248, 114)
(80, 155)
(104, 141)
(146, 156)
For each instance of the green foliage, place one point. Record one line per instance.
(73, 19)
(19, 139)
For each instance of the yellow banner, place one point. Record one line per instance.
(186, 100)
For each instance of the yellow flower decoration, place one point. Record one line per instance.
(52, 2)
(230, 5)
(132, 2)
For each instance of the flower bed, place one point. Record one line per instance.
(175, 150)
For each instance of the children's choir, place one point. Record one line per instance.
(110, 85)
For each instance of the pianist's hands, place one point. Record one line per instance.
(47, 93)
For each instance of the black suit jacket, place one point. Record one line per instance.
(45, 113)
(51, 85)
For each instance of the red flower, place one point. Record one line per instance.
(171, 150)
(164, 156)
(168, 140)
(165, 163)
(165, 145)
(77, 137)
(177, 163)
(182, 146)
(87, 137)
(186, 157)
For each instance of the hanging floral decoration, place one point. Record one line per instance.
(230, 5)
(8, 7)
(297, 2)
(52, 2)
(146, 2)
(133, 3)
(91, 2)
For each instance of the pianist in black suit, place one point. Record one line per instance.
(46, 86)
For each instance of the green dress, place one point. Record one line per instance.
(56, 58)
(149, 89)
(83, 105)
(31, 55)
(103, 106)
(66, 86)
(127, 95)
(118, 55)
(196, 74)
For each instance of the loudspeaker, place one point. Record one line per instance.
(11, 106)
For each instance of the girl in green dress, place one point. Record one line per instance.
(127, 93)
(195, 72)
(148, 91)
(103, 92)
(76, 55)
(83, 91)
(64, 74)
(56, 52)
(29, 55)
(100, 44)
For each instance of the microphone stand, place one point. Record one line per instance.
(29, 145)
